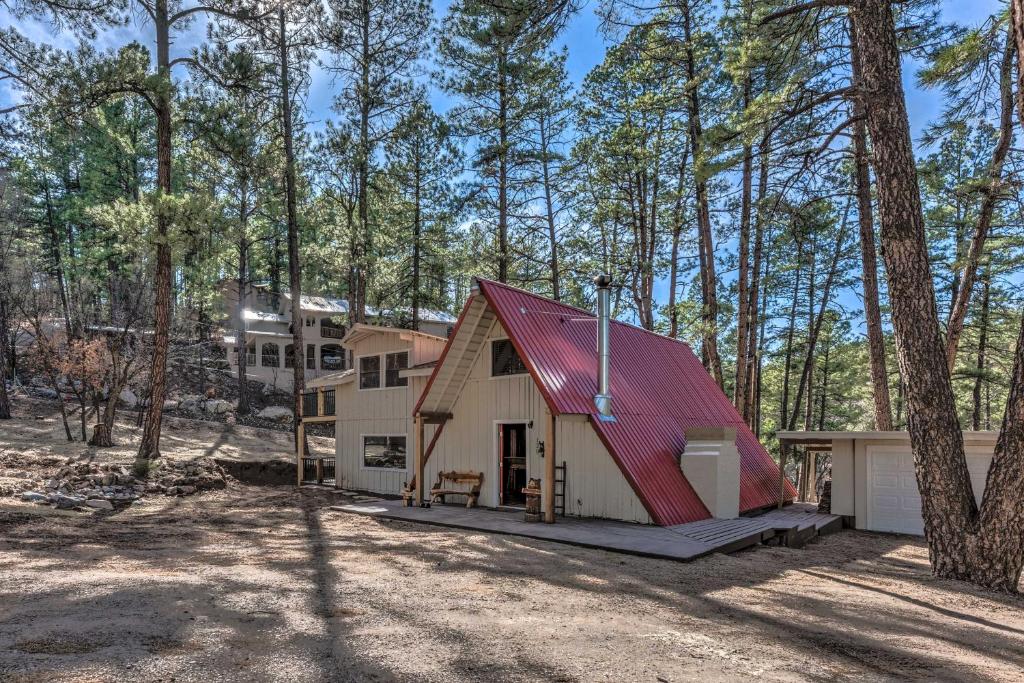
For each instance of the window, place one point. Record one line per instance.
(309, 322)
(369, 372)
(504, 359)
(289, 355)
(270, 355)
(384, 452)
(332, 357)
(311, 356)
(394, 364)
(250, 355)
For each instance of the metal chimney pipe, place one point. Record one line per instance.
(603, 399)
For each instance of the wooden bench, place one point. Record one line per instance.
(446, 480)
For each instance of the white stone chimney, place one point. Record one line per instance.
(711, 463)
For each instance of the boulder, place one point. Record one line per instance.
(171, 404)
(128, 398)
(216, 406)
(64, 502)
(34, 497)
(100, 504)
(190, 404)
(276, 413)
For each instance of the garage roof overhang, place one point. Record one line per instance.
(823, 440)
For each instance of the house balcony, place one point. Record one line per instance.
(332, 332)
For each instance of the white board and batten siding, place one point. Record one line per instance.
(595, 485)
(379, 412)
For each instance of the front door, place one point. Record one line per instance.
(511, 463)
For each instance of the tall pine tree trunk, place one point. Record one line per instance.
(979, 378)
(869, 258)
(742, 278)
(992, 191)
(549, 210)
(149, 447)
(502, 123)
(294, 266)
(753, 311)
(986, 548)
(677, 233)
(243, 284)
(5, 399)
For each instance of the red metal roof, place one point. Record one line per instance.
(659, 388)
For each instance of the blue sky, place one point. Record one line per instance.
(586, 48)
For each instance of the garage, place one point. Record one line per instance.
(874, 485)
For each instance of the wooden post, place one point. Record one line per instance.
(298, 449)
(419, 460)
(319, 402)
(550, 452)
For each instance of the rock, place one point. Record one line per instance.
(216, 406)
(186, 490)
(34, 497)
(276, 413)
(171, 404)
(43, 392)
(100, 504)
(128, 397)
(190, 404)
(67, 502)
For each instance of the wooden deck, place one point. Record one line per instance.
(793, 526)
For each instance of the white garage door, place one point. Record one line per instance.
(894, 503)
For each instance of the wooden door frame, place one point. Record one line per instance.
(496, 429)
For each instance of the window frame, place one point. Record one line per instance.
(382, 364)
(277, 354)
(491, 375)
(401, 382)
(362, 454)
(359, 373)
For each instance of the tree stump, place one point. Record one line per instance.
(101, 436)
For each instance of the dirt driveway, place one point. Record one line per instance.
(270, 584)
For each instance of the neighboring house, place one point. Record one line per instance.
(269, 349)
(520, 390)
(874, 484)
(371, 404)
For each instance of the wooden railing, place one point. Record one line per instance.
(328, 405)
(332, 332)
(318, 403)
(309, 404)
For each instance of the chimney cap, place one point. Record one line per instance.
(603, 281)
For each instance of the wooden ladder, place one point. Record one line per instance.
(561, 473)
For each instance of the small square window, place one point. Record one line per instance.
(505, 360)
(369, 372)
(395, 363)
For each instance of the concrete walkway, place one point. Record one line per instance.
(792, 526)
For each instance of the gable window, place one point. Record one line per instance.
(369, 372)
(384, 452)
(394, 364)
(505, 360)
(270, 355)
